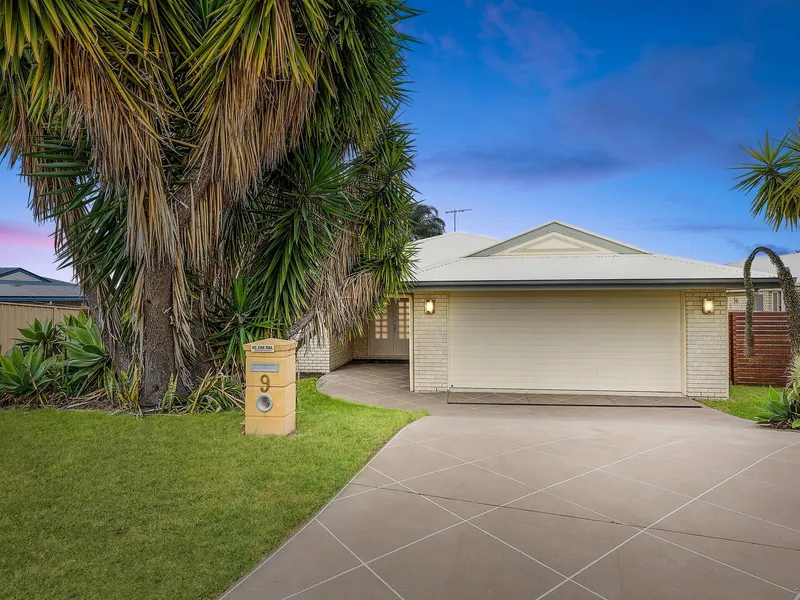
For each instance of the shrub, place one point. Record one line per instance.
(782, 409)
(46, 336)
(85, 356)
(26, 376)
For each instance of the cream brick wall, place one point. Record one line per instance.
(737, 302)
(320, 355)
(361, 343)
(430, 344)
(706, 345)
(341, 353)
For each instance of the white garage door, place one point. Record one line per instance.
(584, 341)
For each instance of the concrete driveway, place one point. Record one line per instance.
(558, 502)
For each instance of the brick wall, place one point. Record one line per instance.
(314, 356)
(341, 353)
(430, 344)
(321, 355)
(706, 345)
(361, 343)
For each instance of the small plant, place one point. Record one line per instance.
(26, 376)
(782, 409)
(85, 356)
(122, 388)
(46, 336)
(215, 393)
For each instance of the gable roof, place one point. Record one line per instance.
(557, 255)
(20, 285)
(440, 248)
(574, 240)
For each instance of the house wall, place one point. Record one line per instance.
(323, 355)
(430, 344)
(706, 345)
(361, 343)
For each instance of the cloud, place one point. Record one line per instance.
(444, 45)
(670, 104)
(532, 46)
(20, 236)
(521, 164)
(709, 227)
(744, 249)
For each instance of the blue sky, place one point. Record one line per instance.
(620, 117)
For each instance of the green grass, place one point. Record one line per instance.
(745, 401)
(113, 506)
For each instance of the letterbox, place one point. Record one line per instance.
(270, 397)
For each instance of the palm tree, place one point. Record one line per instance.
(774, 178)
(426, 222)
(175, 143)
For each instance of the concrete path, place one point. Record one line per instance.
(556, 502)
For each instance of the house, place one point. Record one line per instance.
(555, 309)
(20, 285)
(768, 300)
(25, 296)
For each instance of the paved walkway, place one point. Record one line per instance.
(556, 502)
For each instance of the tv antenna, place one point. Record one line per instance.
(455, 214)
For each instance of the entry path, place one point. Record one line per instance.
(557, 502)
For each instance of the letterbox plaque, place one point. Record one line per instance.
(262, 348)
(264, 367)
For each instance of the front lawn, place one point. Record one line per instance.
(101, 506)
(745, 401)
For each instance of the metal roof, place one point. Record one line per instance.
(441, 248)
(20, 285)
(475, 270)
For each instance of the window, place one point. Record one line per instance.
(777, 302)
(402, 318)
(381, 327)
(758, 305)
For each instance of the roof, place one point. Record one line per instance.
(763, 263)
(558, 255)
(440, 248)
(20, 285)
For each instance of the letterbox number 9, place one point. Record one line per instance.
(265, 383)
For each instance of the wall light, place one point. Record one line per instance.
(430, 307)
(708, 306)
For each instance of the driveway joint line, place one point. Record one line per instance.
(669, 514)
(525, 554)
(359, 559)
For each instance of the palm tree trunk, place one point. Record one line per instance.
(158, 347)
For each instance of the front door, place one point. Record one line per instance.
(389, 332)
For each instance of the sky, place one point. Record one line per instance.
(621, 117)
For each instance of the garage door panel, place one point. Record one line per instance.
(611, 341)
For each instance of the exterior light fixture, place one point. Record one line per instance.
(708, 306)
(430, 307)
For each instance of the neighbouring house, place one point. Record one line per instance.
(25, 296)
(556, 309)
(767, 300)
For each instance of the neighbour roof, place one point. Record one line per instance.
(557, 255)
(763, 263)
(21, 285)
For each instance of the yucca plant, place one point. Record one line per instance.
(46, 336)
(143, 126)
(26, 377)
